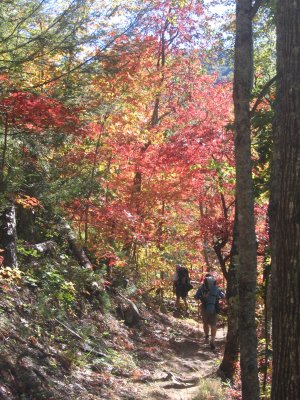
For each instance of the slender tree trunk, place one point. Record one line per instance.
(231, 351)
(8, 236)
(205, 241)
(267, 322)
(92, 179)
(243, 74)
(159, 232)
(285, 207)
(3, 157)
(8, 224)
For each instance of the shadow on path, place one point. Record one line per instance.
(177, 375)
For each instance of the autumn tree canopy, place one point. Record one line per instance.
(118, 118)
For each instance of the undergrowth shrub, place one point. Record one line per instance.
(62, 286)
(211, 389)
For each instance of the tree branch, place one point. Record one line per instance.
(262, 95)
(42, 34)
(22, 21)
(85, 62)
(255, 7)
(37, 54)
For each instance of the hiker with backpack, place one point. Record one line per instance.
(181, 286)
(209, 294)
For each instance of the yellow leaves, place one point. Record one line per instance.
(27, 201)
(120, 263)
(10, 274)
(69, 286)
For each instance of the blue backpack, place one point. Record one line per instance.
(209, 297)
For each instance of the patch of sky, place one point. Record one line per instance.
(221, 15)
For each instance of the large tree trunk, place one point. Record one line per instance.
(231, 351)
(285, 207)
(8, 236)
(243, 75)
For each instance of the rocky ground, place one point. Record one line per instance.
(95, 355)
(176, 372)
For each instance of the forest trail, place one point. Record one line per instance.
(177, 377)
(97, 356)
(175, 372)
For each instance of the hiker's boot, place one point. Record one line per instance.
(212, 345)
(206, 340)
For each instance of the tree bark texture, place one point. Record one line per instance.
(243, 75)
(8, 236)
(231, 351)
(285, 207)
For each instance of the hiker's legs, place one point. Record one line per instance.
(177, 303)
(205, 322)
(213, 327)
(213, 333)
(181, 294)
(185, 303)
(209, 323)
(206, 329)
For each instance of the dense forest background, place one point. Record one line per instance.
(137, 136)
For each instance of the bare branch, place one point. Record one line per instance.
(255, 7)
(262, 94)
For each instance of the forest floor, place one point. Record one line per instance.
(177, 369)
(95, 355)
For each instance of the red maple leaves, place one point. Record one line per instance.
(34, 114)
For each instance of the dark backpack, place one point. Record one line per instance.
(183, 276)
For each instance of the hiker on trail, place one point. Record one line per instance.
(181, 285)
(209, 294)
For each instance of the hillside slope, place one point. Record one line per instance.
(57, 347)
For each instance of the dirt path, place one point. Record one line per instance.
(160, 356)
(178, 368)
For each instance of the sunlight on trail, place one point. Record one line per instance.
(178, 375)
